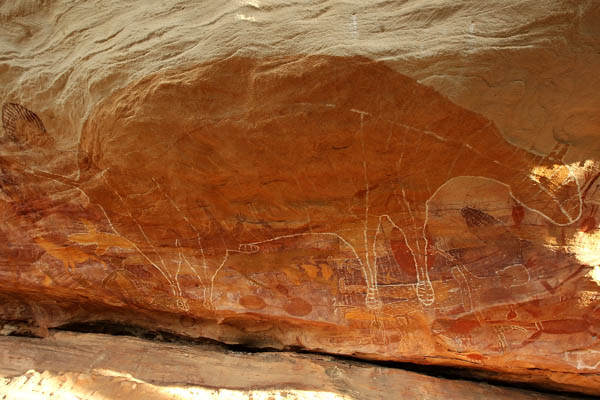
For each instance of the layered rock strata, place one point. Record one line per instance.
(90, 366)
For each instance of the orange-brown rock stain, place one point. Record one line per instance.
(252, 302)
(248, 150)
(101, 240)
(69, 256)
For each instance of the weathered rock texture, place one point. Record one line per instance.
(413, 182)
(97, 366)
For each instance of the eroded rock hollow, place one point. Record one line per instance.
(364, 202)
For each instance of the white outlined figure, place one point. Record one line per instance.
(358, 143)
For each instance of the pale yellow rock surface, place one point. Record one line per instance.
(529, 66)
(88, 366)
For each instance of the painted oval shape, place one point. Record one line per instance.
(187, 322)
(475, 356)
(252, 302)
(511, 315)
(298, 307)
(282, 289)
(518, 213)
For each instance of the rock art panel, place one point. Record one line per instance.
(293, 152)
(328, 191)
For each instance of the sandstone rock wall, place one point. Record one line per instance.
(411, 181)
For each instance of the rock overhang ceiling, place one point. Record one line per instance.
(425, 195)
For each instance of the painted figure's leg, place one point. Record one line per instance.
(363, 244)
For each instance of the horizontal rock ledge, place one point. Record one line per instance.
(88, 365)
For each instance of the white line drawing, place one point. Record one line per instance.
(583, 360)
(175, 290)
(418, 242)
(463, 283)
(164, 271)
(406, 142)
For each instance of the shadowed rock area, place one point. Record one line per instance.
(341, 185)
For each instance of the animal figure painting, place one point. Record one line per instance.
(247, 161)
(320, 146)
